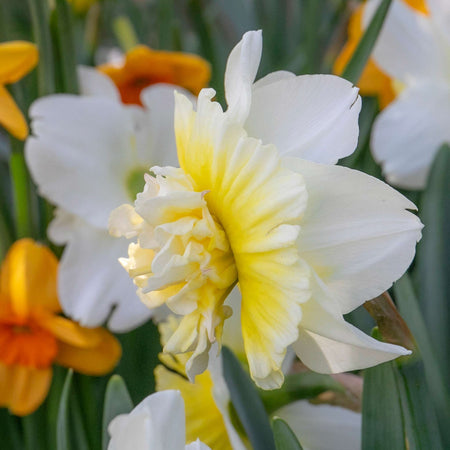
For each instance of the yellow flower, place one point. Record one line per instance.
(373, 81)
(17, 58)
(143, 67)
(33, 335)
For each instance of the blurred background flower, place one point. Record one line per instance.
(33, 334)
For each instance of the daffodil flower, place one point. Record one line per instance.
(88, 155)
(143, 67)
(414, 50)
(17, 58)
(307, 242)
(157, 423)
(34, 336)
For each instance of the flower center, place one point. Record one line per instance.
(26, 344)
(183, 257)
(135, 181)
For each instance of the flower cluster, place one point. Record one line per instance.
(191, 218)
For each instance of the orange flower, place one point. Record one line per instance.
(33, 335)
(373, 81)
(17, 58)
(144, 66)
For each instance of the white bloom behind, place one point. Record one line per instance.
(87, 156)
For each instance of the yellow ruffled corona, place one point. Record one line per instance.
(194, 242)
(17, 58)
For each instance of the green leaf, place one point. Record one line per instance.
(66, 47)
(117, 401)
(409, 309)
(433, 255)
(62, 423)
(246, 402)
(285, 438)
(422, 431)
(9, 431)
(382, 424)
(358, 61)
(297, 387)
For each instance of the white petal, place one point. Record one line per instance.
(92, 285)
(408, 133)
(94, 83)
(197, 445)
(155, 135)
(323, 427)
(408, 47)
(314, 117)
(328, 344)
(157, 423)
(356, 232)
(80, 154)
(242, 66)
(440, 14)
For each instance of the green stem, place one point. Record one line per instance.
(21, 193)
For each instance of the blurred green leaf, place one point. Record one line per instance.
(9, 431)
(40, 19)
(358, 61)
(433, 256)
(285, 438)
(66, 47)
(117, 401)
(409, 309)
(383, 423)
(62, 426)
(247, 403)
(297, 387)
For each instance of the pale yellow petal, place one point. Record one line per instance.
(259, 204)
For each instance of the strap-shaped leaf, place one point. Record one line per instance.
(62, 428)
(247, 403)
(117, 401)
(358, 61)
(285, 438)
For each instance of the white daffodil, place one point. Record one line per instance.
(157, 423)
(88, 155)
(307, 242)
(413, 49)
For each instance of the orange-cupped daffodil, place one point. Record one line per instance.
(17, 58)
(143, 67)
(373, 81)
(33, 334)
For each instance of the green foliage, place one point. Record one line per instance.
(247, 403)
(284, 437)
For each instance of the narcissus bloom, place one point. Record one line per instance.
(307, 242)
(373, 81)
(157, 423)
(33, 335)
(88, 155)
(17, 58)
(414, 50)
(143, 67)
